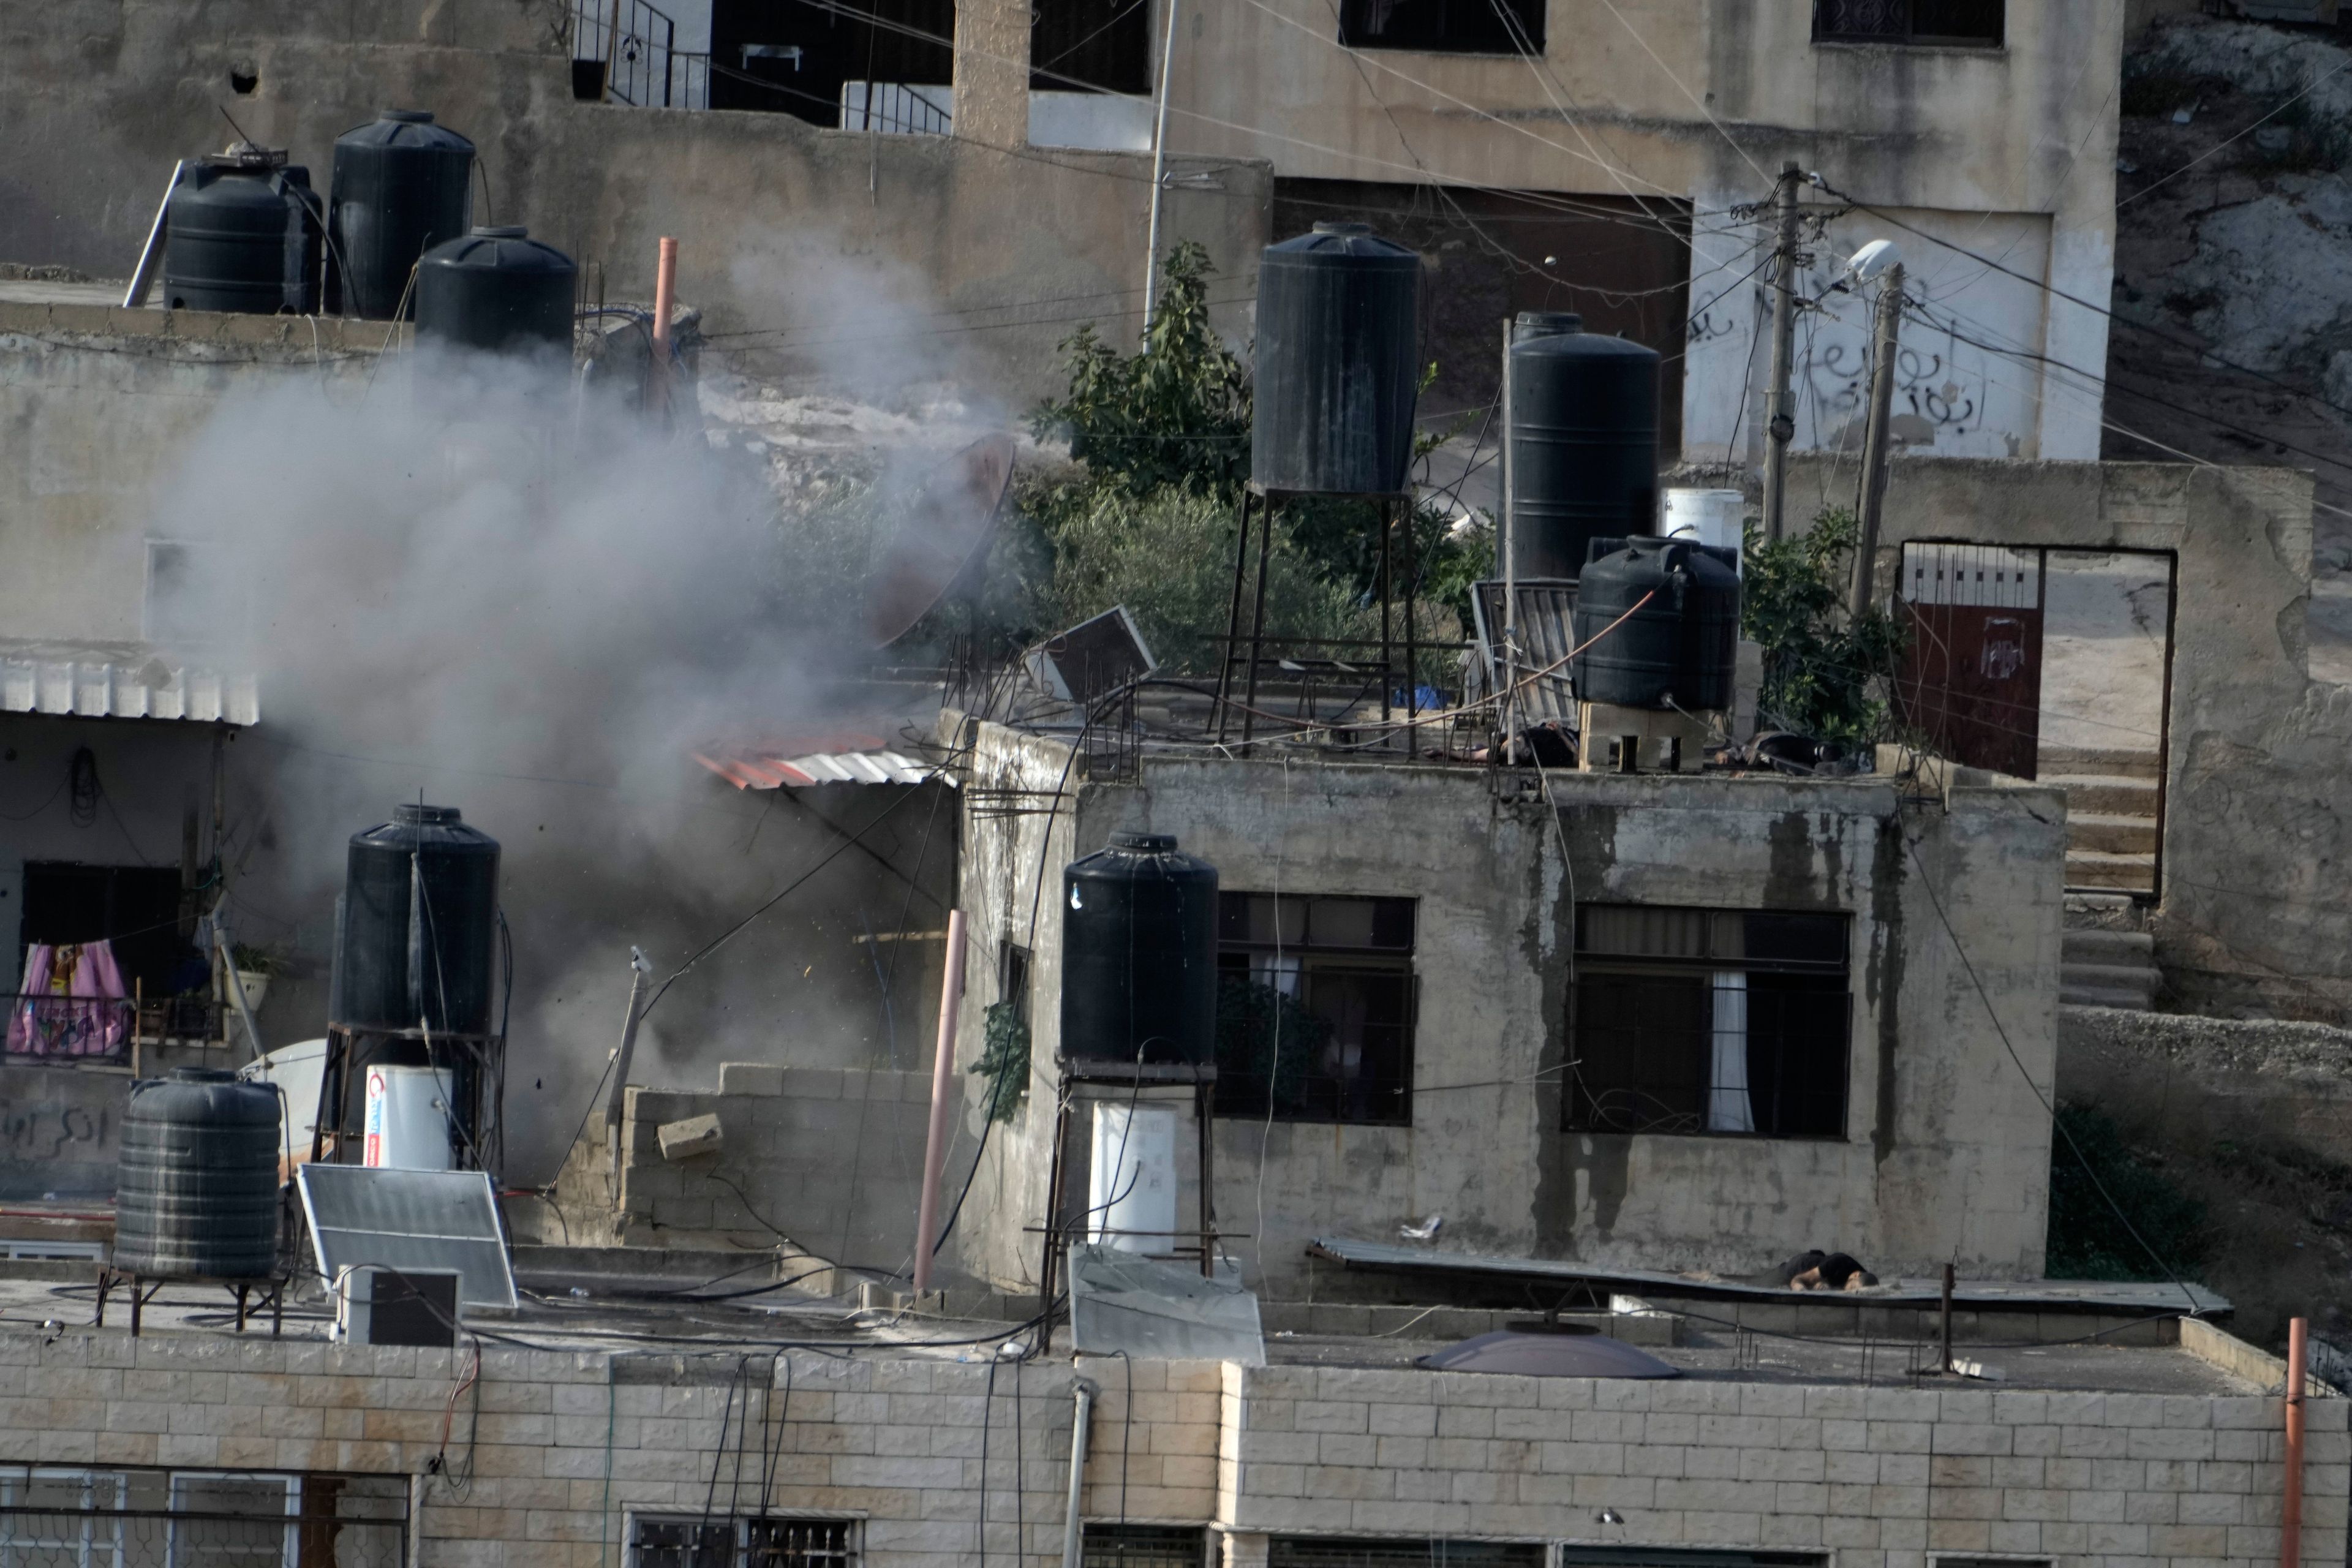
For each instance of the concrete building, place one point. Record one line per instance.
(1893, 1109)
(544, 1444)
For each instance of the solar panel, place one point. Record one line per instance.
(363, 1215)
(1121, 1302)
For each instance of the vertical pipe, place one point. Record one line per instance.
(1946, 1364)
(935, 1148)
(1082, 1392)
(1159, 173)
(665, 302)
(1876, 442)
(1412, 640)
(1509, 704)
(1781, 415)
(2291, 1504)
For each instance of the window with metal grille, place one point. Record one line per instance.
(1444, 26)
(1315, 1008)
(1426, 1552)
(1968, 23)
(132, 1516)
(1145, 1546)
(766, 1540)
(1728, 1021)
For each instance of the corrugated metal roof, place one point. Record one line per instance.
(1547, 632)
(120, 680)
(797, 762)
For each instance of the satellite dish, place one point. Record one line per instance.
(942, 547)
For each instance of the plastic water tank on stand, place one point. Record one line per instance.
(1131, 1181)
(1583, 453)
(402, 186)
(1139, 953)
(241, 234)
(1338, 363)
(497, 290)
(1677, 650)
(418, 916)
(407, 1126)
(197, 1192)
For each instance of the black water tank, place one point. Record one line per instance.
(1682, 644)
(402, 185)
(1139, 953)
(1584, 446)
(1338, 363)
(196, 1195)
(1530, 325)
(498, 291)
(400, 959)
(241, 233)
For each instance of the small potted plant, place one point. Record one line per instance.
(254, 965)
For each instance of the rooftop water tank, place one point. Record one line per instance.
(197, 1192)
(1680, 648)
(1338, 363)
(1583, 446)
(241, 233)
(416, 927)
(498, 290)
(1528, 325)
(402, 186)
(1139, 953)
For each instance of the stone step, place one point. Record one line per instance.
(2140, 980)
(2105, 792)
(2128, 1001)
(2126, 763)
(2110, 833)
(2100, 869)
(2090, 945)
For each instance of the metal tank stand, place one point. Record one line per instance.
(250, 1295)
(1134, 1076)
(1388, 507)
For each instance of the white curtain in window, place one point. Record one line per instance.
(1728, 1108)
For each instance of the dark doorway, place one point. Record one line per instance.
(136, 908)
(792, 57)
(1623, 265)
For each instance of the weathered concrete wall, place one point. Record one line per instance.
(60, 1132)
(2192, 1082)
(1935, 1105)
(568, 1444)
(873, 258)
(2255, 912)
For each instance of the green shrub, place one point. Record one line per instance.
(1824, 677)
(2086, 1238)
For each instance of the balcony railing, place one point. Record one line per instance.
(634, 42)
(106, 1028)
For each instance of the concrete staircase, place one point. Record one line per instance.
(2111, 821)
(2101, 967)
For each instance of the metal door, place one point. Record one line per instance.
(1971, 680)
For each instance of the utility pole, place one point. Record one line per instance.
(1782, 413)
(1876, 443)
(1159, 170)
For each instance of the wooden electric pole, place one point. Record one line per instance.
(1876, 442)
(1781, 413)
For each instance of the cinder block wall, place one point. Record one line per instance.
(831, 1157)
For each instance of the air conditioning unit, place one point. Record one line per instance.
(376, 1306)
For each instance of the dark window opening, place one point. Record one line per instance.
(1103, 46)
(1428, 1551)
(136, 909)
(1145, 1546)
(118, 1516)
(1970, 23)
(1444, 26)
(1724, 1022)
(1013, 961)
(1315, 1008)
(794, 57)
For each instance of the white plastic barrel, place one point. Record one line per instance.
(407, 1123)
(1131, 1186)
(1709, 517)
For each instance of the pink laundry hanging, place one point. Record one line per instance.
(70, 1002)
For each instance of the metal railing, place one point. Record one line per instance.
(635, 42)
(897, 108)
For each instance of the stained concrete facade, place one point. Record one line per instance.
(1945, 1154)
(2253, 913)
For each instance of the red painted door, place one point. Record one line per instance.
(1972, 681)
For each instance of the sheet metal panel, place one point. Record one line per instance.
(1121, 1302)
(120, 680)
(797, 762)
(1547, 625)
